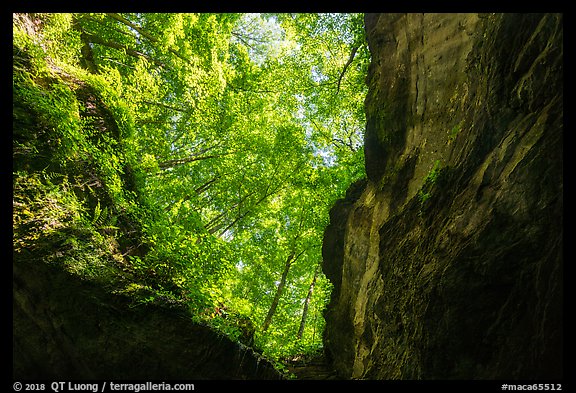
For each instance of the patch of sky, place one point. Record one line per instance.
(317, 75)
(240, 265)
(263, 37)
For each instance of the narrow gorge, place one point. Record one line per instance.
(445, 261)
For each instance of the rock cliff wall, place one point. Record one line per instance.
(66, 328)
(447, 261)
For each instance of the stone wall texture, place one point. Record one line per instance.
(447, 261)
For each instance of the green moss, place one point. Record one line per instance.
(453, 133)
(51, 224)
(70, 169)
(429, 181)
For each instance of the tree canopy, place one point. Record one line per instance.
(243, 130)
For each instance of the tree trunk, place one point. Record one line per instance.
(291, 258)
(306, 304)
(87, 59)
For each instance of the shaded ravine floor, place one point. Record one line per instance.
(316, 368)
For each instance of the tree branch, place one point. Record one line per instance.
(350, 59)
(94, 39)
(180, 161)
(145, 34)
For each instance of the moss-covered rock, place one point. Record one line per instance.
(84, 307)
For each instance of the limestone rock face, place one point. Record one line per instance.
(447, 261)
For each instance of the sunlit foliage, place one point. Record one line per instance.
(242, 131)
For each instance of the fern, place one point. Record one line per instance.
(108, 228)
(102, 220)
(96, 215)
(50, 177)
(100, 216)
